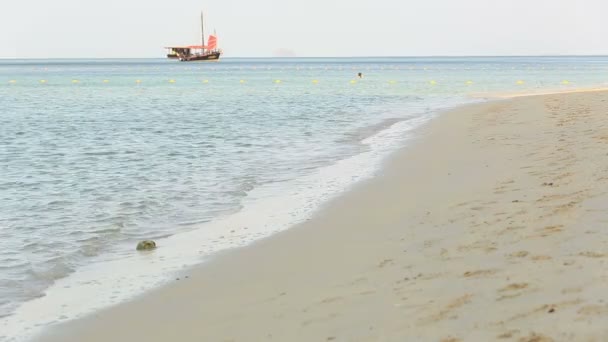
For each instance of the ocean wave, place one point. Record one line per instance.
(50, 270)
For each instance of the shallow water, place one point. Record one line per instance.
(98, 154)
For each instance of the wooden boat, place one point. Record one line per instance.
(191, 53)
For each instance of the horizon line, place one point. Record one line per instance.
(317, 57)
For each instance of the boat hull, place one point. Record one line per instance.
(213, 56)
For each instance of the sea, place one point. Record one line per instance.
(98, 154)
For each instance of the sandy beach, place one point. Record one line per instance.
(490, 226)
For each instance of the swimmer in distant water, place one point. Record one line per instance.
(360, 75)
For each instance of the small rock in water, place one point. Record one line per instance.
(146, 245)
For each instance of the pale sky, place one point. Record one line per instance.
(309, 28)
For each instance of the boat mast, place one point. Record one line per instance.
(202, 33)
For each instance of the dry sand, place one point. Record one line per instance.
(491, 226)
(529, 92)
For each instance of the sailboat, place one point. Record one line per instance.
(191, 53)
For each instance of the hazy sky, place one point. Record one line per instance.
(141, 28)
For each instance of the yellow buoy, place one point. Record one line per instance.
(433, 82)
(171, 81)
(138, 81)
(277, 81)
(242, 81)
(520, 82)
(75, 81)
(392, 82)
(42, 81)
(205, 81)
(353, 81)
(106, 81)
(469, 82)
(315, 81)
(565, 82)
(12, 81)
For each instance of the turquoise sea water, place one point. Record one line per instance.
(98, 154)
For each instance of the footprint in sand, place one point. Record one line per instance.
(385, 262)
(508, 334)
(593, 310)
(541, 257)
(536, 338)
(592, 254)
(451, 339)
(513, 287)
(478, 273)
(544, 309)
(549, 230)
(511, 229)
(460, 204)
(511, 291)
(447, 311)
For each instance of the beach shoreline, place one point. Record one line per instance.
(461, 237)
(136, 274)
(540, 92)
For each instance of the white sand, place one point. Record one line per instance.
(493, 226)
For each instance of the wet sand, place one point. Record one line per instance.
(492, 225)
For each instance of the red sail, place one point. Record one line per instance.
(212, 42)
